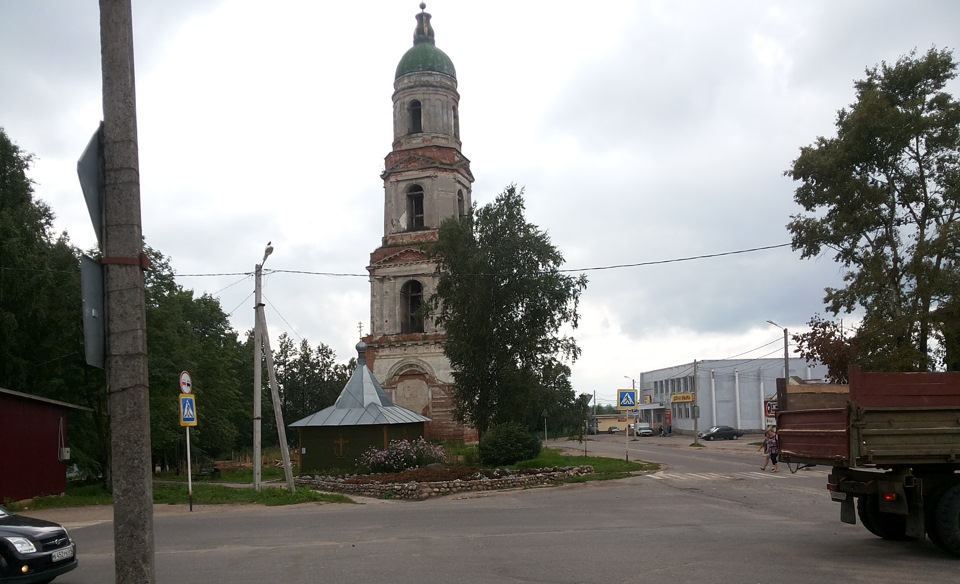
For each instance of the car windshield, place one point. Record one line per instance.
(714, 429)
(4, 512)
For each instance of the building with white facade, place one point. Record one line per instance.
(727, 392)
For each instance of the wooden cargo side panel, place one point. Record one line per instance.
(905, 390)
(907, 435)
(812, 396)
(819, 436)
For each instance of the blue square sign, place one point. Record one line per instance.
(626, 399)
(188, 410)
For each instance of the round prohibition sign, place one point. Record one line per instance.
(186, 386)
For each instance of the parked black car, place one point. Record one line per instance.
(33, 550)
(721, 433)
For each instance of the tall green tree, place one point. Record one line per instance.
(39, 282)
(883, 197)
(188, 333)
(310, 379)
(826, 342)
(41, 335)
(504, 303)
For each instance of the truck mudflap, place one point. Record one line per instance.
(880, 498)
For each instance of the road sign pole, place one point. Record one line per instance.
(626, 442)
(189, 472)
(188, 417)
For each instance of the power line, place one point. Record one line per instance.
(290, 326)
(590, 269)
(675, 260)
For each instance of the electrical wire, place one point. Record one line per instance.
(289, 326)
(589, 269)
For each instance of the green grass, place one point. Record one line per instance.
(176, 494)
(237, 476)
(213, 494)
(172, 489)
(76, 496)
(604, 468)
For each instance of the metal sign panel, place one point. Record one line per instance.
(91, 290)
(626, 399)
(770, 408)
(91, 174)
(188, 410)
(186, 384)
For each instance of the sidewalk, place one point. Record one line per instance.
(748, 444)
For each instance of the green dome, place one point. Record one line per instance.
(424, 55)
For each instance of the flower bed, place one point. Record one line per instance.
(410, 487)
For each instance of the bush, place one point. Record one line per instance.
(401, 455)
(507, 444)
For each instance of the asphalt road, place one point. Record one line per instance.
(708, 516)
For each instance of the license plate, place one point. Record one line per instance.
(837, 496)
(64, 554)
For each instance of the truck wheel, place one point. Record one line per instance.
(947, 520)
(930, 519)
(885, 525)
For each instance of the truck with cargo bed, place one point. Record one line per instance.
(892, 441)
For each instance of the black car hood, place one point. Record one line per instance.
(19, 525)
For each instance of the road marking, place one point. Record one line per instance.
(710, 476)
(82, 524)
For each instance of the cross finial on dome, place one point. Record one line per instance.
(424, 32)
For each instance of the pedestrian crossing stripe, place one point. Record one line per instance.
(188, 410)
(627, 399)
(712, 476)
(752, 475)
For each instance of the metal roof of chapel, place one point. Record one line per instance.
(362, 402)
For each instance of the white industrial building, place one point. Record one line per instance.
(728, 392)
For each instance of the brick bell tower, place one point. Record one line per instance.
(426, 180)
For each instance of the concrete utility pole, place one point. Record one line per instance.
(124, 262)
(696, 407)
(261, 350)
(786, 354)
(786, 359)
(257, 371)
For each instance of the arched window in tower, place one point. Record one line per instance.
(415, 207)
(411, 298)
(416, 119)
(456, 123)
(461, 211)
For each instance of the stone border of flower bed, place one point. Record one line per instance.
(415, 491)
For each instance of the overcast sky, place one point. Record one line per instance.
(642, 132)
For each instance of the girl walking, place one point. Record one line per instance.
(771, 445)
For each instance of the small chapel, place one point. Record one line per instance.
(426, 179)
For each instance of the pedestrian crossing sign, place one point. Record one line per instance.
(626, 399)
(188, 410)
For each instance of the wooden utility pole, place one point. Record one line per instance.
(277, 410)
(126, 336)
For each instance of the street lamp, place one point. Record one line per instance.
(786, 354)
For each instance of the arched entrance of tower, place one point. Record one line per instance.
(411, 380)
(412, 383)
